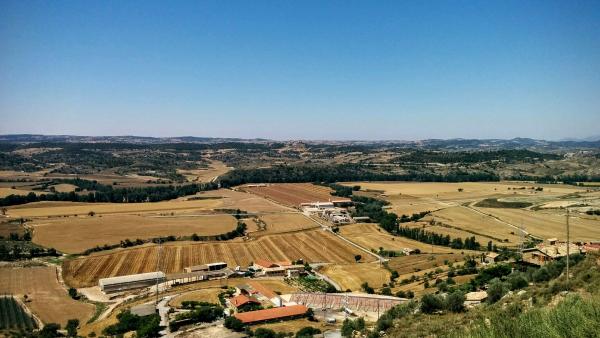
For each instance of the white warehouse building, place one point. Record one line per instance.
(129, 282)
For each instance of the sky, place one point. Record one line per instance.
(359, 70)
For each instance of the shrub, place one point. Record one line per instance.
(455, 302)
(431, 303)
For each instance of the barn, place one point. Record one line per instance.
(129, 282)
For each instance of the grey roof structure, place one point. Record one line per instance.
(131, 278)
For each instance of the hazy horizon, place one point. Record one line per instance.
(311, 70)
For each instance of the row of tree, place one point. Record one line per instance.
(105, 193)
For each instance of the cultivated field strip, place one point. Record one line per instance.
(312, 246)
(292, 194)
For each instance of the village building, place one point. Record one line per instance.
(542, 254)
(491, 257)
(274, 314)
(268, 268)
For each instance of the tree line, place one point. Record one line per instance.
(341, 173)
(97, 192)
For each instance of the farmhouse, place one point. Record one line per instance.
(491, 257)
(544, 253)
(277, 313)
(129, 282)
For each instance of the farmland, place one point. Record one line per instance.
(76, 234)
(372, 237)
(292, 194)
(45, 296)
(549, 223)
(13, 316)
(11, 227)
(215, 169)
(311, 245)
(352, 276)
(283, 222)
(484, 227)
(202, 202)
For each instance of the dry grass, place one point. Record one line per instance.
(415, 263)
(549, 223)
(76, 234)
(7, 228)
(47, 298)
(372, 237)
(352, 276)
(63, 187)
(217, 199)
(484, 227)
(312, 246)
(210, 295)
(471, 190)
(10, 191)
(215, 169)
(283, 222)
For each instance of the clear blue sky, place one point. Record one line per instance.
(301, 69)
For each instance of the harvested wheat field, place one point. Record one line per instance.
(8, 227)
(549, 223)
(10, 191)
(76, 234)
(47, 299)
(293, 194)
(449, 192)
(281, 222)
(312, 246)
(483, 226)
(408, 205)
(231, 199)
(352, 276)
(372, 237)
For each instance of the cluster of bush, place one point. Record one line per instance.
(199, 312)
(147, 326)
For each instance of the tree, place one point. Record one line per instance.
(91, 213)
(149, 328)
(496, 290)
(71, 327)
(261, 332)
(490, 246)
(234, 324)
(455, 302)
(195, 237)
(347, 328)
(366, 288)
(73, 293)
(431, 303)
(307, 332)
(50, 330)
(357, 258)
(386, 291)
(4, 210)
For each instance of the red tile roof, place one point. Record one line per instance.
(269, 314)
(240, 300)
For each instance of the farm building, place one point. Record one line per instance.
(241, 301)
(277, 313)
(206, 267)
(491, 257)
(269, 268)
(129, 282)
(260, 292)
(544, 253)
